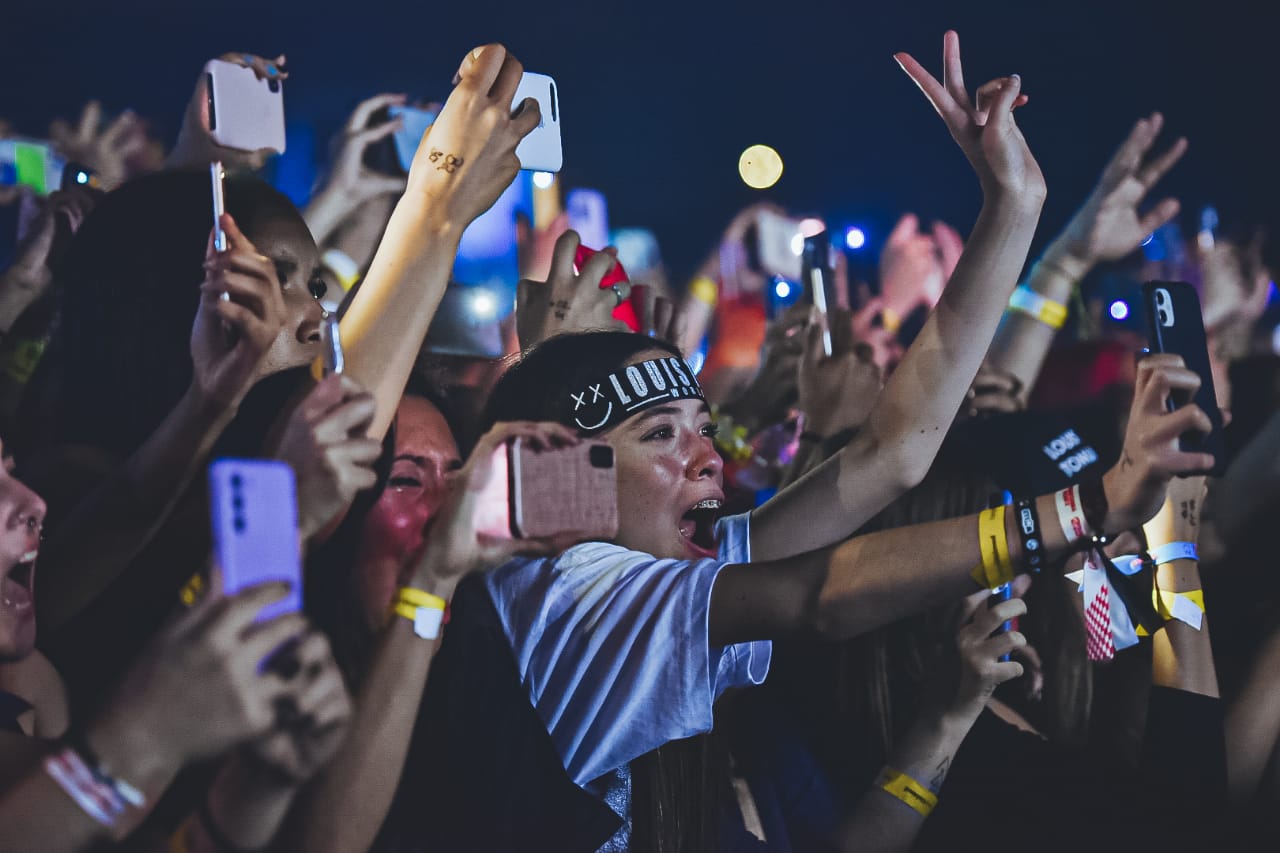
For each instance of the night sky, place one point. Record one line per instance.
(659, 98)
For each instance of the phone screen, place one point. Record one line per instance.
(30, 163)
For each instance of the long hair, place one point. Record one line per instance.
(882, 677)
(679, 788)
(119, 358)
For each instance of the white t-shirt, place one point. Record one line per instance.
(612, 646)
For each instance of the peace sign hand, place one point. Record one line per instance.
(984, 128)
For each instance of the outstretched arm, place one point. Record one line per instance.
(1108, 227)
(909, 421)
(464, 162)
(846, 590)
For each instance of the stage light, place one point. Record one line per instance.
(782, 288)
(760, 167)
(543, 180)
(797, 245)
(483, 305)
(1119, 310)
(855, 238)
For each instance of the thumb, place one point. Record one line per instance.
(971, 604)
(906, 228)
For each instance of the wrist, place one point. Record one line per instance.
(1119, 518)
(1071, 264)
(1018, 200)
(423, 215)
(434, 580)
(132, 749)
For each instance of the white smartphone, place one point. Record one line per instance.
(780, 245)
(245, 113)
(254, 513)
(540, 151)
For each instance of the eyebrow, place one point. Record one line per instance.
(659, 411)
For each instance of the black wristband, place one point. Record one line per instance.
(216, 835)
(814, 437)
(1028, 523)
(1093, 504)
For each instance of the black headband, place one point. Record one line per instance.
(617, 396)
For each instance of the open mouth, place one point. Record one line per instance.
(698, 526)
(17, 588)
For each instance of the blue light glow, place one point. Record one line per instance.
(782, 288)
(855, 238)
(1119, 310)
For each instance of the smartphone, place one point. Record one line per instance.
(254, 514)
(630, 310)
(553, 491)
(588, 214)
(777, 246)
(331, 341)
(30, 163)
(394, 155)
(818, 274)
(541, 150)
(76, 175)
(1175, 325)
(245, 113)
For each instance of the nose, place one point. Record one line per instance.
(22, 507)
(704, 460)
(309, 327)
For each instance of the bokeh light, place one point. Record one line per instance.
(760, 167)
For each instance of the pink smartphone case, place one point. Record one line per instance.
(564, 490)
(246, 114)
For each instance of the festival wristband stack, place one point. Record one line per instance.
(897, 784)
(1052, 314)
(99, 794)
(427, 612)
(1082, 509)
(996, 568)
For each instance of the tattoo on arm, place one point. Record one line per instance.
(448, 162)
(940, 774)
(1189, 512)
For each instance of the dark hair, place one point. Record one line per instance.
(537, 386)
(119, 355)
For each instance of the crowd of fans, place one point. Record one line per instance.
(945, 585)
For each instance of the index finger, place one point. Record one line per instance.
(236, 238)
(932, 89)
(562, 256)
(952, 70)
(90, 118)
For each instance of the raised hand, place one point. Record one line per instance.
(195, 146)
(1136, 486)
(107, 151)
(349, 175)
(836, 393)
(984, 128)
(30, 274)
(981, 670)
(1108, 227)
(468, 155)
(325, 442)
(567, 301)
(458, 541)
(240, 315)
(199, 688)
(309, 734)
(911, 271)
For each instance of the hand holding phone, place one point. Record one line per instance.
(254, 515)
(631, 308)
(1175, 325)
(549, 492)
(246, 113)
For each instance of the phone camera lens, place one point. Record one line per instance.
(238, 524)
(273, 85)
(236, 481)
(601, 456)
(237, 502)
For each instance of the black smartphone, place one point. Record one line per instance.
(818, 275)
(1175, 325)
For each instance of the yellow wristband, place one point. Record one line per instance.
(1052, 314)
(704, 290)
(898, 784)
(427, 621)
(418, 598)
(993, 544)
(890, 320)
(1165, 602)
